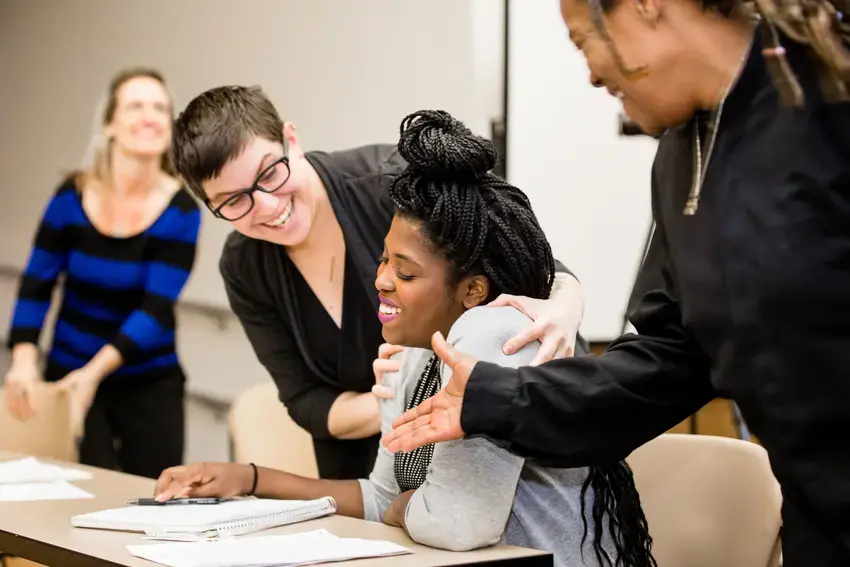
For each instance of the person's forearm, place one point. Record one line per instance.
(105, 362)
(588, 410)
(24, 354)
(396, 512)
(566, 287)
(354, 416)
(272, 483)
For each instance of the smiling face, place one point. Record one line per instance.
(284, 216)
(140, 124)
(650, 81)
(418, 296)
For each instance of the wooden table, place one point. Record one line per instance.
(42, 532)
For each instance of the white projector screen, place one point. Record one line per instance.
(588, 184)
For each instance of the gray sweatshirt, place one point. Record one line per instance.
(477, 494)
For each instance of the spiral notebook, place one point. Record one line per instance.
(196, 522)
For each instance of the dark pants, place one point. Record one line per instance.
(137, 428)
(806, 545)
(341, 459)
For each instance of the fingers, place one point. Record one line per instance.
(19, 401)
(179, 486)
(533, 332)
(386, 350)
(206, 490)
(383, 392)
(552, 346)
(409, 436)
(177, 482)
(165, 479)
(413, 413)
(460, 363)
(445, 351)
(381, 365)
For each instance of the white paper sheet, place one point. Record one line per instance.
(318, 546)
(57, 490)
(31, 469)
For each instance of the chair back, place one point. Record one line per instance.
(48, 433)
(709, 501)
(261, 432)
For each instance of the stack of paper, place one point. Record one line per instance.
(319, 546)
(30, 479)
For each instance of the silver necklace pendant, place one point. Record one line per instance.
(692, 204)
(700, 167)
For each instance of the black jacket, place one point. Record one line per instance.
(748, 299)
(258, 280)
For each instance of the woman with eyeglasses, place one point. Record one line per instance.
(123, 233)
(299, 270)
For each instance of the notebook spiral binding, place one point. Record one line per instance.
(321, 507)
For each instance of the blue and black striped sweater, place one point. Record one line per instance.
(118, 291)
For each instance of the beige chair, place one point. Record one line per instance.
(709, 501)
(47, 434)
(261, 432)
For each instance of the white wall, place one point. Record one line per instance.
(589, 186)
(344, 72)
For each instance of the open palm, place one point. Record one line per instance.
(437, 418)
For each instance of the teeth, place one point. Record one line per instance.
(387, 310)
(284, 216)
(619, 95)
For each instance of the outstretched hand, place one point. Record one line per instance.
(437, 418)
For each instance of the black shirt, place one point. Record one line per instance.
(747, 299)
(261, 283)
(263, 291)
(337, 351)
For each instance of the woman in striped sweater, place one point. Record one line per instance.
(123, 233)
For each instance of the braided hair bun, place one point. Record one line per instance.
(474, 219)
(433, 141)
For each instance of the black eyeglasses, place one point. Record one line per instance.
(241, 202)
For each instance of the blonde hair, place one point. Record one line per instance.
(96, 166)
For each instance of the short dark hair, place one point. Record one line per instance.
(214, 129)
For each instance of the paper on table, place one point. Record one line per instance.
(31, 469)
(57, 490)
(318, 546)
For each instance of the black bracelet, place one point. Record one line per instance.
(254, 485)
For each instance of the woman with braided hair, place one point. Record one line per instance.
(460, 237)
(745, 291)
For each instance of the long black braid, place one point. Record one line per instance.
(482, 224)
